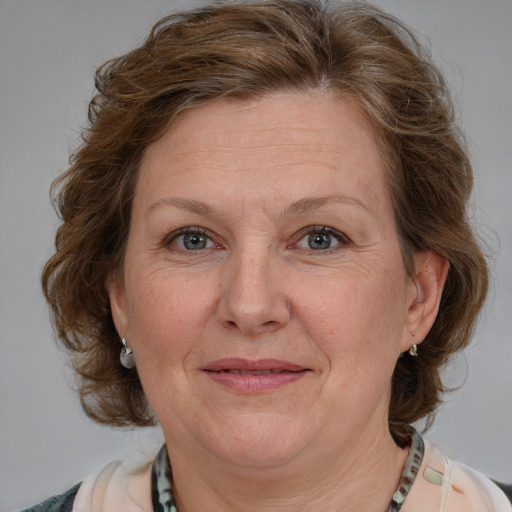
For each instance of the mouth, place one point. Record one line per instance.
(238, 365)
(254, 376)
(239, 371)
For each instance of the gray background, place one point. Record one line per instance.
(48, 52)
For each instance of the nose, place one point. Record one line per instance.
(253, 299)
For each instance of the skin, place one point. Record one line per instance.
(258, 177)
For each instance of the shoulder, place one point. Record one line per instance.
(60, 503)
(122, 486)
(448, 486)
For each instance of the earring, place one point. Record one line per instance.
(126, 356)
(413, 351)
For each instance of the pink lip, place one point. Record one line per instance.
(243, 375)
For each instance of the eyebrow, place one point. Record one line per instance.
(314, 203)
(187, 205)
(298, 208)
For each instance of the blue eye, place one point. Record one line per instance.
(191, 240)
(319, 241)
(322, 239)
(195, 241)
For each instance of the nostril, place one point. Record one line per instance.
(250, 312)
(252, 329)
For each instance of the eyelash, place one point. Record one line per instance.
(341, 238)
(171, 237)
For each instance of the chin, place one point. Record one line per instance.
(268, 441)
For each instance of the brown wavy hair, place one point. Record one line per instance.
(243, 50)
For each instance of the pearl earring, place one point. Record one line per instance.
(126, 356)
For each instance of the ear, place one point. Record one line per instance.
(116, 294)
(427, 286)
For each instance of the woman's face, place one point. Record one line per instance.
(264, 293)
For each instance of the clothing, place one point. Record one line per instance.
(448, 486)
(61, 503)
(507, 489)
(430, 482)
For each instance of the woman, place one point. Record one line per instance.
(279, 239)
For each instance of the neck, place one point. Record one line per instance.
(360, 475)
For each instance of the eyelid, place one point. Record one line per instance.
(342, 238)
(169, 238)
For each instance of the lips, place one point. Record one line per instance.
(239, 365)
(254, 376)
(238, 371)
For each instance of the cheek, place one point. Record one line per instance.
(168, 319)
(356, 320)
(168, 314)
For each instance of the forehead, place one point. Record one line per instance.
(293, 115)
(296, 139)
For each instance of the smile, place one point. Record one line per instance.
(258, 376)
